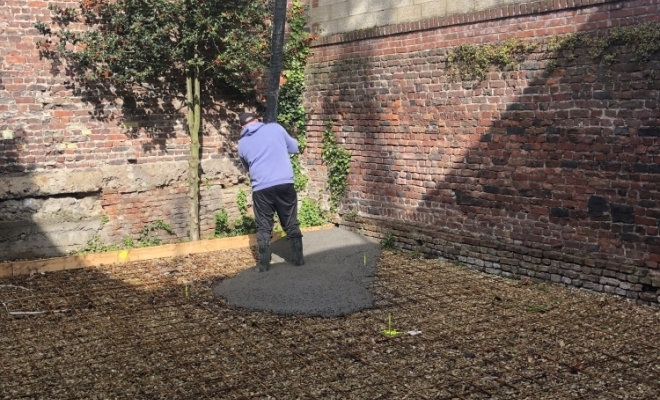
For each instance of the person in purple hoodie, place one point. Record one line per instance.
(264, 151)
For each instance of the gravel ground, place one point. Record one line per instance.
(155, 330)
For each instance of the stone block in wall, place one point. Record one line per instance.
(29, 240)
(322, 15)
(409, 13)
(42, 184)
(338, 11)
(222, 173)
(131, 178)
(486, 4)
(355, 7)
(50, 213)
(222, 167)
(61, 208)
(330, 2)
(435, 8)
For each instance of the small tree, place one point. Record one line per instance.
(157, 45)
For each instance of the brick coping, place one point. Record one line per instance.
(508, 11)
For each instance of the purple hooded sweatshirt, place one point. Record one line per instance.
(264, 150)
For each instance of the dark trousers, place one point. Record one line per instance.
(282, 199)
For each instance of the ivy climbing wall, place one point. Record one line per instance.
(520, 141)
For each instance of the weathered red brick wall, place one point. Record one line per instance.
(51, 128)
(56, 126)
(554, 176)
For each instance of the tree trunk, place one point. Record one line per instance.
(194, 121)
(276, 49)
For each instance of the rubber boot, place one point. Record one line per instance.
(264, 256)
(297, 247)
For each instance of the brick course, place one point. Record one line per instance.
(528, 173)
(56, 126)
(49, 124)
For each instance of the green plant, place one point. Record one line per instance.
(291, 111)
(277, 227)
(148, 241)
(299, 178)
(241, 202)
(351, 215)
(389, 241)
(642, 40)
(561, 43)
(94, 245)
(472, 61)
(243, 225)
(536, 308)
(128, 243)
(146, 238)
(390, 332)
(221, 223)
(162, 49)
(105, 219)
(543, 287)
(338, 162)
(311, 214)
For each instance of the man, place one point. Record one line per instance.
(264, 151)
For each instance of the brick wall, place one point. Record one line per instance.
(50, 123)
(137, 149)
(549, 175)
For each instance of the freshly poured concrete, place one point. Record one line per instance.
(334, 281)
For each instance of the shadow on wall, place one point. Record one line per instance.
(81, 159)
(525, 168)
(18, 233)
(150, 121)
(45, 214)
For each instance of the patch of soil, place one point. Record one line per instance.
(155, 330)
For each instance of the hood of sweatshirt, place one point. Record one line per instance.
(252, 128)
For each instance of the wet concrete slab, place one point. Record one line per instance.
(335, 280)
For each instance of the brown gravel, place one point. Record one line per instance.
(130, 332)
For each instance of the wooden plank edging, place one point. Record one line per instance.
(16, 268)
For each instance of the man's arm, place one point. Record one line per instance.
(245, 164)
(291, 144)
(243, 161)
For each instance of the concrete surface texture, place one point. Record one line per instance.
(334, 281)
(339, 16)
